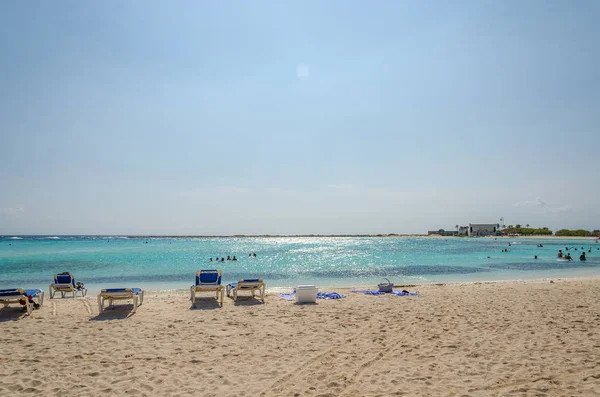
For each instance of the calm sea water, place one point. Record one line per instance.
(168, 263)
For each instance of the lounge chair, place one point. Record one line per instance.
(252, 285)
(65, 283)
(207, 280)
(113, 294)
(16, 295)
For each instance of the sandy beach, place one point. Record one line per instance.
(537, 338)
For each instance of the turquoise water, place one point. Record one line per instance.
(168, 263)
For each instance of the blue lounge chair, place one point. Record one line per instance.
(17, 295)
(113, 294)
(251, 285)
(207, 280)
(65, 283)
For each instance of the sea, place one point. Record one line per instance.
(283, 262)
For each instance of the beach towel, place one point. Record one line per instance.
(330, 295)
(288, 297)
(320, 295)
(368, 291)
(377, 292)
(404, 293)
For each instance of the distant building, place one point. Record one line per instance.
(482, 229)
(463, 231)
(442, 232)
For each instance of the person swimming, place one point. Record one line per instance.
(560, 253)
(582, 256)
(228, 258)
(568, 256)
(234, 258)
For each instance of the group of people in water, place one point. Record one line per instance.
(561, 255)
(229, 258)
(568, 257)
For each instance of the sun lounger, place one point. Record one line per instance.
(251, 285)
(207, 280)
(65, 283)
(17, 295)
(113, 294)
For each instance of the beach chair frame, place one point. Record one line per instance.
(65, 288)
(210, 287)
(124, 294)
(247, 285)
(7, 298)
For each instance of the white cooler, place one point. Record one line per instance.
(306, 294)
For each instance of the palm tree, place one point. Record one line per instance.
(456, 226)
(527, 225)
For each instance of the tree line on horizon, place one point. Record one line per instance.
(530, 231)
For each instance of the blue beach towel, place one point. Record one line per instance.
(377, 292)
(330, 295)
(368, 291)
(404, 293)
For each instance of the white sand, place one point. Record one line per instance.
(500, 339)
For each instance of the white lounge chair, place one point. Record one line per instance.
(16, 295)
(251, 285)
(207, 280)
(113, 294)
(65, 284)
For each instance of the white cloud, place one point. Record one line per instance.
(277, 191)
(345, 187)
(538, 202)
(12, 211)
(541, 204)
(202, 192)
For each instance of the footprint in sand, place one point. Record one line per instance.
(86, 305)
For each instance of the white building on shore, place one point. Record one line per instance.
(482, 229)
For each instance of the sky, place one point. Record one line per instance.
(297, 117)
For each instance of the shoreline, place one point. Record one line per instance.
(276, 290)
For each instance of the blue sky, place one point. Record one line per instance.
(190, 117)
